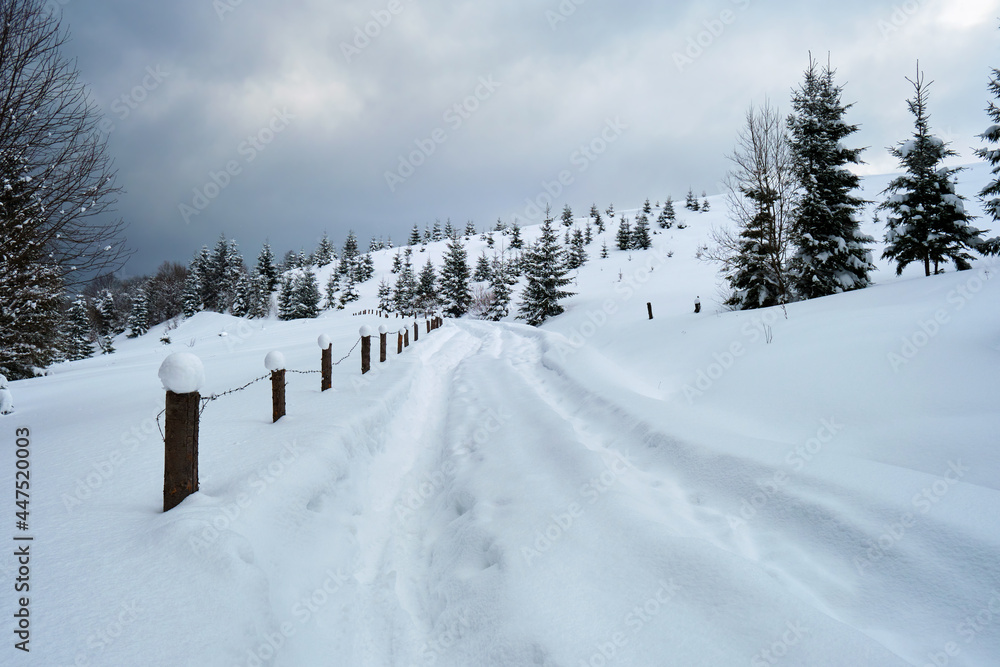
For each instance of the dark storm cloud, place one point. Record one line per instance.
(537, 84)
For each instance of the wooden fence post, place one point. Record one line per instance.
(649, 307)
(416, 332)
(182, 375)
(406, 337)
(399, 344)
(326, 362)
(382, 343)
(275, 362)
(366, 349)
(428, 323)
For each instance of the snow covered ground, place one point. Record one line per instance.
(814, 486)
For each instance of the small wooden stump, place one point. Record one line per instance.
(327, 369)
(366, 354)
(180, 464)
(416, 332)
(649, 308)
(277, 394)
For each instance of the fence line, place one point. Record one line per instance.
(183, 410)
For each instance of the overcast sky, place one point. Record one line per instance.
(318, 116)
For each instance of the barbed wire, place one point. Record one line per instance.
(205, 400)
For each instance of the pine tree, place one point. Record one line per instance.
(384, 296)
(397, 264)
(690, 202)
(588, 234)
(567, 216)
(266, 267)
(455, 280)
(350, 246)
(138, 317)
(307, 295)
(349, 291)
(332, 289)
(364, 268)
(482, 272)
(449, 231)
(604, 249)
(647, 208)
(470, 230)
(426, 291)
(990, 194)
(414, 239)
(375, 245)
(436, 232)
(704, 204)
(831, 253)
(595, 215)
(77, 341)
(927, 221)
(406, 287)
(515, 236)
(640, 234)
(192, 298)
(751, 274)
(610, 211)
(624, 237)
(669, 212)
(577, 255)
(500, 282)
(286, 298)
(324, 251)
(500, 227)
(545, 269)
(31, 282)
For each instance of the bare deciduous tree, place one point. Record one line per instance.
(761, 188)
(52, 149)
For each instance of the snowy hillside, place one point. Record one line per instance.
(809, 486)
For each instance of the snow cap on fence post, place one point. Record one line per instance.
(323, 341)
(274, 361)
(182, 373)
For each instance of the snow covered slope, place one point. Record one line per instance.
(809, 486)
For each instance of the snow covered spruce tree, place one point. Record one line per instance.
(455, 292)
(426, 297)
(77, 344)
(761, 185)
(624, 236)
(266, 267)
(926, 220)
(831, 254)
(640, 233)
(138, 317)
(545, 269)
(500, 284)
(482, 272)
(990, 194)
(325, 252)
(406, 287)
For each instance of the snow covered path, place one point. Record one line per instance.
(513, 515)
(503, 495)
